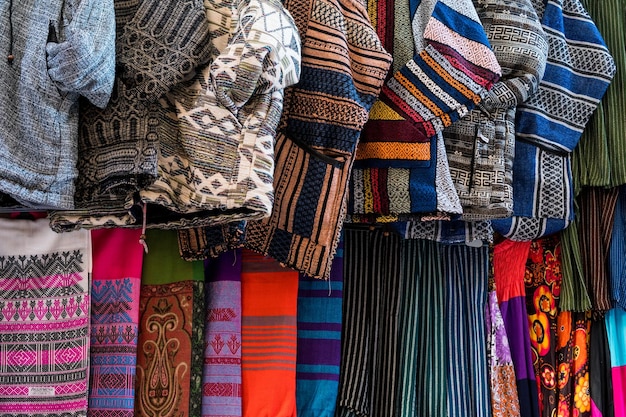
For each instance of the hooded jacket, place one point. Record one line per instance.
(61, 50)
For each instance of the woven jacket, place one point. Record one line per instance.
(480, 146)
(401, 167)
(549, 125)
(61, 51)
(216, 138)
(343, 67)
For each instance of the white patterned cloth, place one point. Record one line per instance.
(44, 320)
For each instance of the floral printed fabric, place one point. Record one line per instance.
(559, 339)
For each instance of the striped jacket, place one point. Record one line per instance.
(401, 166)
(549, 125)
(343, 67)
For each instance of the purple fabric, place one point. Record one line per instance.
(221, 391)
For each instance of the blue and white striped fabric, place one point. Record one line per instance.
(549, 125)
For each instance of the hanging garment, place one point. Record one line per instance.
(319, 341)
(159, 45)
(115, 286)
(218, 166)
(504, 399)
(543, 287)
(616, 333)
(170, 355)
(466, 274)
(450, 231)
(221, 379)
(549, 124)
(400, 166)
(480, 146)
(599, 160)
(55, 53)
(509, 263)
(210, 242)
(343, 66)
(617, 249)
(45, 306)
(269, 299)
(216, 143)
(370, 352)
(600, 373)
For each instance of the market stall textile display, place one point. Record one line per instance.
(44, 326)
(115, 286)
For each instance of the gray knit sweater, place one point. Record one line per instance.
(61, 49)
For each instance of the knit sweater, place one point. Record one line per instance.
(60, 51)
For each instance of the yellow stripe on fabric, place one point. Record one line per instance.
(394, 150)
(381, 111)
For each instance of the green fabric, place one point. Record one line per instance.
(163, 264)
(608, 123)
(574, 296)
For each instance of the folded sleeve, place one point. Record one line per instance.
(82, 58)
(451, 72)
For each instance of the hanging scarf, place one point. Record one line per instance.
(549, 125)
(45, 306)
(115, 290)
(221, 379)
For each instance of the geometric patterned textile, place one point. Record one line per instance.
(343, 66)
(221, 379)
(217, 165)
(549, 124)
(480, 146)
(44, 320)
(451, 71)
(117, 263)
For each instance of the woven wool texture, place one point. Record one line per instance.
(118, 145)
(41, 90)
(45, 306)
(343, 66)
(218, 165)
(480, 146)
(401, 166)
(549, 124)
